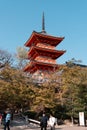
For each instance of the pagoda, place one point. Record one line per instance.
(42, 52)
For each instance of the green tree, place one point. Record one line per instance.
(16, 88)
(73, 78)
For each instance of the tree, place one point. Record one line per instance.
(16, 90)
(5, 58)
(44, 98)
(73, 78)
(22, 56)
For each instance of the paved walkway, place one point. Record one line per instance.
(21, 125)
(58, 128)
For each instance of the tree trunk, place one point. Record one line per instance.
(72, 120)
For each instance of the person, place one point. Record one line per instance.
(52, 122)
(26, 121)
(7, 120)
(0, 118)
(43, 122)
(3, 117)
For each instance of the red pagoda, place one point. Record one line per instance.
(42, 53)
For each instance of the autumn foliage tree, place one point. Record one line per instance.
(64, 92)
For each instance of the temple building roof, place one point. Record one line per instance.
(34, 66)
(45, 52)
(42, 51)
(43, 38)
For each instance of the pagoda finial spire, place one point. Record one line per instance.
(43, 24)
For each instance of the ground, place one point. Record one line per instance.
(20, 124)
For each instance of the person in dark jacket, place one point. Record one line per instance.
(43, 122)
(3, 117)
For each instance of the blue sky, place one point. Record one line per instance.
(66, 18)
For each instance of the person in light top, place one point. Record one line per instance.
(7, 120)
(52, 122)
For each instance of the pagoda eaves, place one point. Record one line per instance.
(43, 38)
(33, 66)
(36, 51)
(42, 53)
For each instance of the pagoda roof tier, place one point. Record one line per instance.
(33, 66)
(39, 51)
(43, 38)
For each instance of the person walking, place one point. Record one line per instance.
(43, 122)
(7, 120)
(52, 122)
